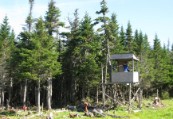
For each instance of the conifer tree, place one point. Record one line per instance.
(53, 23)
(129, 38)
(69, 61)
(52, 18)
(6, 45)
(122, 37)
(87, 64)
(29, 19)
(28, 28)
(136, 40)
(105, 35)
(145, 66)
(158, 61)
(45, 65)
(171, 65)
(115, 41)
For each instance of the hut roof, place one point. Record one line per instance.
(124, 57)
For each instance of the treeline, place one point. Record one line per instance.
(44, 66)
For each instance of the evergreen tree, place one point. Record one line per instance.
(87, 66)
(44, 53)
(115, 41)
(156, 52)
(52, 18)
(122, 37)
(28, 28)
(171, 66)
(160, 62)
(6, 45)
(129, 38)
(53, 24)
(29, 19)
(69, 61)
(136, 40)
(105, 37)
(145, 66)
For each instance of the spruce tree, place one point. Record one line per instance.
(29, 19)
(105, 35)
(136, 42)
(45, 65)
(129, 38)
(145, 66)
(87, 64)
(52, 18)
(69, 61)
(53, 23)
(122, 38)
(159, 64)
(6, 44)
(115, 41)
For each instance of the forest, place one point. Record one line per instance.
(44, 65)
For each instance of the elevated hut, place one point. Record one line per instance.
(121, 73)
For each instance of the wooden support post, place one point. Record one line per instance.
(130, 95)
(140, 99)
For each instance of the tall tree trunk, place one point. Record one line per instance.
(10, 89)
(83, 92)
(2, 91)
(21, 93)
(73, 89)
(103, 87)
(25, 92)
(97, 95)
(30, 15)
(35, 94)
(9, 93)
(49, 93)
(38, 97)
(114, 93)
(2, 97)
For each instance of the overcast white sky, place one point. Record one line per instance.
(150, 16)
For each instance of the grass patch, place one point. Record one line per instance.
(147, 112)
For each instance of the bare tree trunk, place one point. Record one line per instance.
(38, 97)
(103, 87)
(10, 89)
(73, 90)
(25, 92)
(2, 97)
(49, 93)
(114, 93)
(21, 93)
(36, 92)
(30, 15)
(2, 91)
(157, 93)
(97, 95)
(8, 105)
(83, 93)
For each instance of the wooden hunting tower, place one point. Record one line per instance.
(121, 73)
